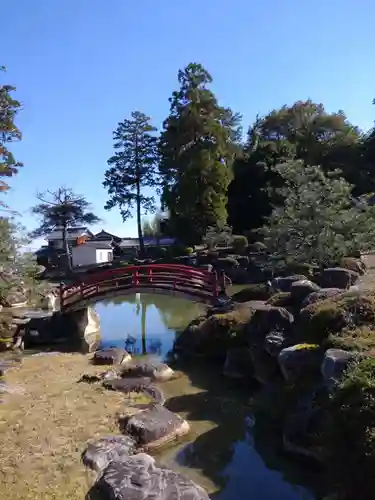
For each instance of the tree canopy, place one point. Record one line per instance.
(62, 209)
(133, 168)
(319, 220)
(9, 107)
(197, 148)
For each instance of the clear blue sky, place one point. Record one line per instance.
(80, 66)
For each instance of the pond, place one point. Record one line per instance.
(226, 451)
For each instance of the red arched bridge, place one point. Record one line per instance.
(172, 279)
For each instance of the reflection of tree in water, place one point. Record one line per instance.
(175, 313)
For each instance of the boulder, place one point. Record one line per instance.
(147, 368)
(275, 342)
(338, 277)
(154, 427)
(14, 299)
(141, 385)
(139, 478)
(300, 427)
(267, 319)
(323, 293)
(265, 366)
(300, 361)
(356, 265)
(76, 330)
(111, 356)
(334, 364)
(238, 364)
(284, 284)
(302, 288)
(101, 452)
(258, 291)
(50, 302)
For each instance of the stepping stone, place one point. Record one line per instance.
(154, 427)
(101, 452)
(111, 356)
(142, 384)
(147, 368)
(139, 478)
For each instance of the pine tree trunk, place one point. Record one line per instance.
(66, 246)
(139, 222)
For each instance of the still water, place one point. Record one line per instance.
(225, 452)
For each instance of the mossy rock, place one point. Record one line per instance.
(281, 299)
(336, 314)
(257, 291)
(349, 435)
(212, 335)
(353, 264)
(360, 339)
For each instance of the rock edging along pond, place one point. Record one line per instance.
(313, 348)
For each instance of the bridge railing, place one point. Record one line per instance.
(173, 277)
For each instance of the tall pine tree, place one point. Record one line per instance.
(132, 169)
(197, 149)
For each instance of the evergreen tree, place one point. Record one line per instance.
(132, 169)
(62, 209)
(197, 147)
(9, 133)
(320, 221)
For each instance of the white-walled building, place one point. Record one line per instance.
(91, 253)
(55, 238)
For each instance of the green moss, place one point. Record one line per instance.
(333, 315)
(361, 339)
(349, 436)
(252, 292)
(281, 299)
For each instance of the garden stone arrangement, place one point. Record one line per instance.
(309, 341)
(118, 460)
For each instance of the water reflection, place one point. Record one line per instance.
(227, 452)
(145, 323)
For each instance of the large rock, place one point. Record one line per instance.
(301, 425)
(101, 452)
(154, 427)
(238, 364)
(323, 293)
(142, 385)
(76, 330)
(50, 302)
(268, 319)
(300, 361)
(146, 368)
(111, 356)
(284, 284)
(139, 478)
(338, 277)
(275, 342)
(334, 364)
(301, 289)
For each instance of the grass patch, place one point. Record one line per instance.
(44, 431)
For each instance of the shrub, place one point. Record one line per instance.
(256, 247)
(252, 292)
(239, 243)
(353, 264)
(349, 436)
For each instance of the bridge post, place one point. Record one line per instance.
(136, 277)
(61, 295)
(149, 272)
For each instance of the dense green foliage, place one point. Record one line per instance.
(350, 436)
(62, 209)
(9, 133)
(197, 148)
(132, 169)
(321, 224)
